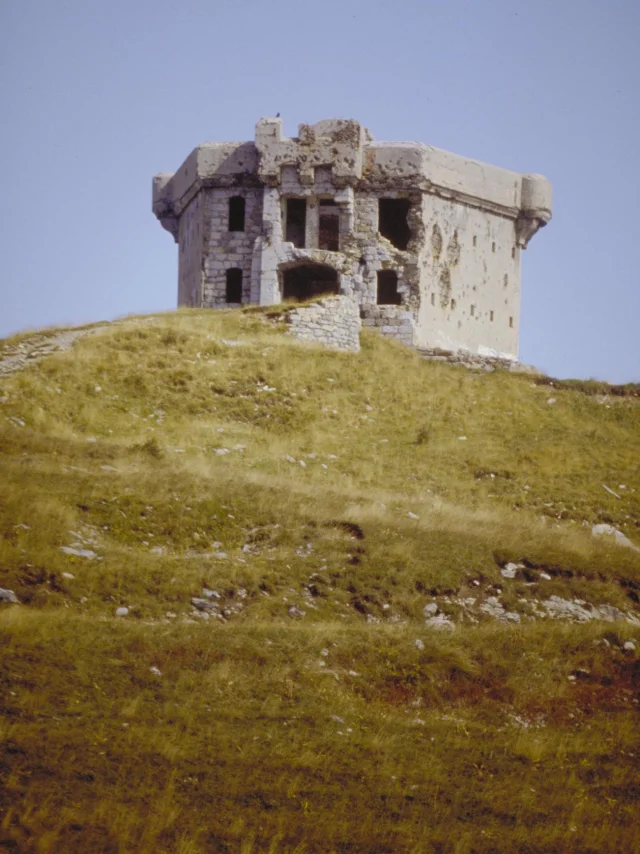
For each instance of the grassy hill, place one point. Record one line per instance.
(279, 599)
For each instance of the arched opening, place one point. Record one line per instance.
(305, 281)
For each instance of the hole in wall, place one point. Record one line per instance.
(473, 310)
(433, 299)
(329, 232)
(234, 285)
(453, 305)
(513, 251)
(296, 222)
(493, 247)
(305, 281)
(491, 315)
(393, 223)
(236, 213)
(475, 240)
(511, 322)
(505, 281)
(388, 288)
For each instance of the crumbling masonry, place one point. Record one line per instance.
(425, 243)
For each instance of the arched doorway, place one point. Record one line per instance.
(305, 281)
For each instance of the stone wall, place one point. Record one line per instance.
(391, 321)
(226, 249)
(332, 321)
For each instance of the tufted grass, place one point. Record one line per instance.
(171, 446)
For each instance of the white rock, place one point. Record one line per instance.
(8, 596)
(156, 672)
(157, 550)
(493, 607)
(294, 611)
(412, 515)
(604, 530)
(108, 468)
(509, 571)
(418, 643)
(68, 575)
(440, 623)
(92, 440)
(122, 612)
(462, 438)
(431, 609)
(88, 553)
(545, 576)
(629, 646)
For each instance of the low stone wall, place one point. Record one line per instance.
(332, 321)
(392, 321)
(473, 360)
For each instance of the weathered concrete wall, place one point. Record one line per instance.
(470, 280)
(331, 321)
(191, 240)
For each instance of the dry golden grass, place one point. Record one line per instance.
(171, 446)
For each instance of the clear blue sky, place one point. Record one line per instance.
(98, 95)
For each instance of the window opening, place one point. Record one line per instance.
(493, 247)
(296, 222)
(453, 305)
(392, 221)
(433, 299)
(306, 281)
(473, 310)
(234, 285)
(236, 213)
(475, 240)
(329, 232)
(511, 322)
(490, 315)
(388, 288)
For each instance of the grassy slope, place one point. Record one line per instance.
(331, 731)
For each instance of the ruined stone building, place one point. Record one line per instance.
(425, 244)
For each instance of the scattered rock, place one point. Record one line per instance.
(492, 607)
(88, 553)
(69, 576)
(8, 596)
(604, 530)
(204, 605)
(412, 515)
(509, 571)
(418, 643)
(431, 609)
(156, 672)
(294, 611)
(157, 550)
(122, 612)
(440, 623)
(629, 646)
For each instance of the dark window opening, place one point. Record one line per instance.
(296, 223)
(388, 288)
(307, 281)
(329, 233)
(328, 203)
(392, 221)
(236, 213)
(234, 285)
